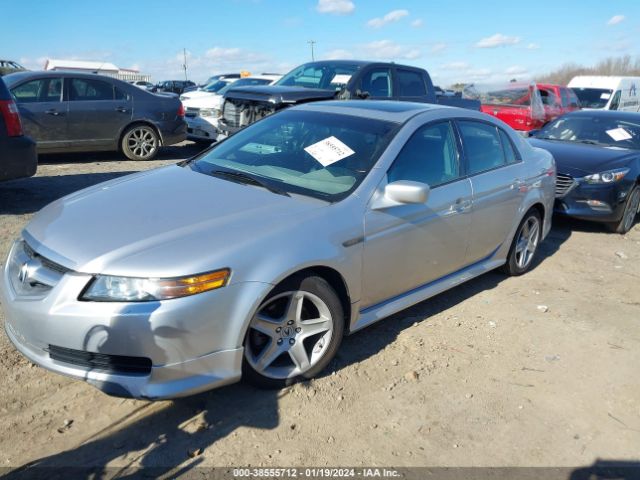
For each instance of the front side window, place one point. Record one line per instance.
(83, 89)
(42, 90)
(564, 95)
(430, 156)
(377, 83)
(410, 84)
(316, 154)
(482, 146)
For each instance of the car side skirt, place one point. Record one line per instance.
(377, 312)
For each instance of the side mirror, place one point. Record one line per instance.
(407, 191)
(534, 132)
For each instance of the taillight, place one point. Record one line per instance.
(181, 110)
(9, 111)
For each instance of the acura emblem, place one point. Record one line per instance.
(23, 274)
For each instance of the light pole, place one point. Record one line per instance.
(312, 43)
(184, 65)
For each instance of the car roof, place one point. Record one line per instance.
(397, 112)
(14, 78)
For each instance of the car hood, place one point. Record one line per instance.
(163, 223)
(197, 94)
(278, 94)
(579, 159)
(203, 101)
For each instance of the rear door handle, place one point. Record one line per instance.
(53, 112)
(122, 110)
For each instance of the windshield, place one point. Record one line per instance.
(593, 97)
(215, 86)
(317, 154)
(606, 131)
(243, 82)
(323, 75)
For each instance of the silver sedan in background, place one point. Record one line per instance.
(254, 258)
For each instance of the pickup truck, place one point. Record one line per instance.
(329, 80)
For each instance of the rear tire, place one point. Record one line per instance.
(631, 209)
(140, 142)
(294, 334)
(525, 244)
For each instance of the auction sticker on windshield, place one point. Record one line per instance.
(340, 79)
(619, 134)
(328, 151)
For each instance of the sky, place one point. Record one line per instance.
(462, 41)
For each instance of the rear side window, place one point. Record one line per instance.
(82, 89)
(510, 154)
(482, 146)
(410, 84)
(377, 83)
(430, 156)
(42, 90)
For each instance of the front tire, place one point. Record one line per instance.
(525, 244)
(140, 142)
(295, 333)
(631, 209)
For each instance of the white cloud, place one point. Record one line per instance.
(497, 40)
(616, 19)
(456, 66)
(338, 54)
(335, 7)
(532, 46)
(417, 23)
(516, 70)
(391, 17)
(438, 47)
(390, 50)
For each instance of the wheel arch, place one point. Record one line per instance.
(133, 123)
(334, 278)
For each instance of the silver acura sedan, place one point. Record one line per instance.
(254, 258)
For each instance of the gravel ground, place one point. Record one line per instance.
(539, 370)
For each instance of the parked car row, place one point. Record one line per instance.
(329, 216)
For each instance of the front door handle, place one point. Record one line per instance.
(53, 112)
(461, 204)
(122, 110)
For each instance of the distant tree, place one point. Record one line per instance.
(623, 66)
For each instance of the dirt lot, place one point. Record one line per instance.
(540, 370)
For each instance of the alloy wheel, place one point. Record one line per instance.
(289, 335)
(632, 210)
(142, 142)
(527, 242)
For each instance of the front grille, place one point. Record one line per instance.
(564, 183)
(31, 274)
(101, 362)
(231, 114)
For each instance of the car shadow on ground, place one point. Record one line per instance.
(28, 195)
(174, 431)
(177, 152)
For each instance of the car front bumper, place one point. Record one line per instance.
(203, 128)
(191, 344)
(593, 202)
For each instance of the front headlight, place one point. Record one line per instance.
(106, 288)
(609, 176)
(206, 112)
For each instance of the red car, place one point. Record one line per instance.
(524, 107)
